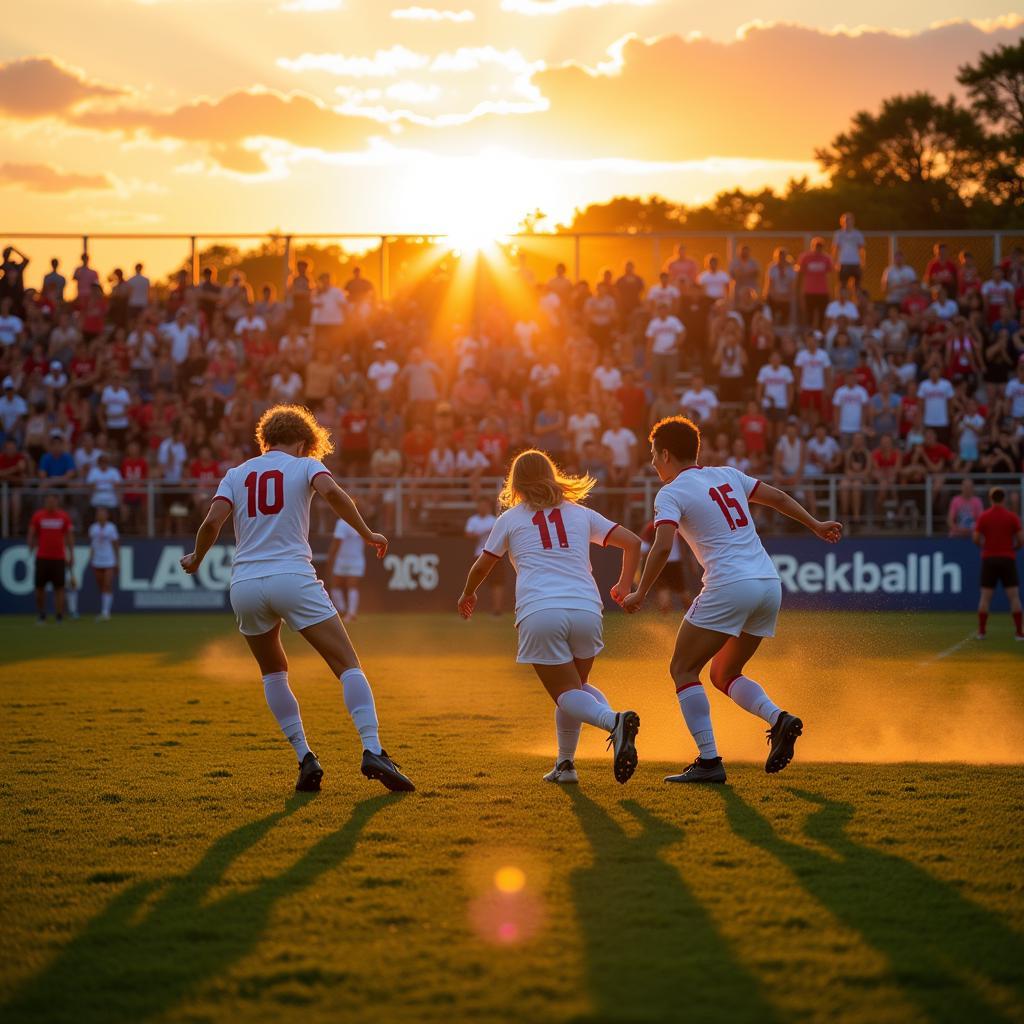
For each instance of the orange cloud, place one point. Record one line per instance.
(40, 86)
(46, 178)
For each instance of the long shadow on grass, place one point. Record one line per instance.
(140, 956)
(652, 951)
(934, 939)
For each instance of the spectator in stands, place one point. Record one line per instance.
(56, 465)
(856, 474)
(104, 479)
(936, 392)
(665, 334)
(84, 277)
(885, 472)
(682, 270)
(848, 252)
(628, 290)
(897, 279)
(850, 404)
(814, 382)
(745, 271)
(780, 287)
(775, 392)
(714, 282)
(941, 271)
(964, 510)
(730, 362)
(13, 409)
(54, 284)
(842, 311)
(789, 459)
(813, 269)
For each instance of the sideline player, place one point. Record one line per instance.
(998, 533)
(51, 539)
(739, 603)
(478, 529)
(272, 578)
(104, 556)
(547, 534)
(347, 560)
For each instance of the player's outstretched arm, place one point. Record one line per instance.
(664, 538)
(772, 497)
(629, 542)
(478, 572)
(207, 534)
(345, 508)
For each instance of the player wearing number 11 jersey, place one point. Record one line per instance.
(272, 578)
(547, 535)
(739, 603)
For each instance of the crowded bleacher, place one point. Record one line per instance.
(868, 395)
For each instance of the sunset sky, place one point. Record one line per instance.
(443, 116)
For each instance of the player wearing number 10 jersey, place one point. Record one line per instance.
(739, 603)
(272, 578)
(547, 535)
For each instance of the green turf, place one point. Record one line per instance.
(157, 867)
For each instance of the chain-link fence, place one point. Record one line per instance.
(395, 263)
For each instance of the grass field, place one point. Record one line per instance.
(157, 866)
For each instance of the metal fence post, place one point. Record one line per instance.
(893, 243)
(385, 269)
(997, 249)
(5, 512)
(575, 257)
(928, 504)
(286, 259)
(85, 245)
(150, 509)
(730, 250)
(832, 498)
(399, 508)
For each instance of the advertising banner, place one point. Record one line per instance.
(427, 573)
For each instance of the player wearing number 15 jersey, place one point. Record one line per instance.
(547, 535)
(272, 578)
(737, 608)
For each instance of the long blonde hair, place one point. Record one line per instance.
(288, 424)
(534, 480)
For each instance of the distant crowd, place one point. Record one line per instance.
(792, 371)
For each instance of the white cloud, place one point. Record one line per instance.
(431, 14)
(383, 64)
(413, 92)
(542, 7)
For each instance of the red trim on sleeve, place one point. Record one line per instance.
(322, 472)
(220, 497)
(491, 553)
(687, 686)
(667, 522)
(753, 490)
(604, 543)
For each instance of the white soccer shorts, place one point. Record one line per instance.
(746, 606)
(260, 604)
(355, 567)
(554, 636)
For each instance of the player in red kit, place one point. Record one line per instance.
(51, 539)
(999, 535)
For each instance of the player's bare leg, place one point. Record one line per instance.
(273, 662)
(1013, 594)
(566, 688)
(727, 675)
(695, 647)
(331, 641)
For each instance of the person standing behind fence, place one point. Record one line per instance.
(814, 266)
(999, 534)
(51, 542)
(848, 252)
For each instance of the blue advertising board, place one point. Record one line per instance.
(427, 573)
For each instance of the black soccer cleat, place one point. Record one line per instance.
(310, 775)
(710, 771)
(384, 770)
(782, 737)
(621, 739)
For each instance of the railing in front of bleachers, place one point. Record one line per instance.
(418, 506)
(391, 261)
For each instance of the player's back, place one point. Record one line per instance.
(270, 497)
(998, 526)
(550, 551)
(709, 505)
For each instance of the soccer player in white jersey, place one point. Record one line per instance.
(547, 534)
(272, 578)
(739, 603)
(104, 553)
(347, 558)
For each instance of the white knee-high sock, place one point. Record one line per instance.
(355, 688)
(71, 595)
(338, 597)
(353, 600)
(285, 709)
(598, 695)
(106, 603)
(567, 728)
(693, 702)
(751, 697)
(585, 707)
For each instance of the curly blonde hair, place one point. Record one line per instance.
(534, 480)
(288, 424)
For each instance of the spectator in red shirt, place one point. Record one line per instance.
(134, 469)
(51, 540)
(14, 470)
(999, 535)
(813, 269)
(355, 438)
(633, 402)
(941, 270)
(885, 467)
(754, 430)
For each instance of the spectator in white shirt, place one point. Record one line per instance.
(55, 379)
(943, 306)
(664, 293)
(815, 370)
(621, 444)
(996, 292)
(583, 425)
(714, 282)
(328, 316)
(850, 402)
(114, 403)
(86, 455)
(12, 407)
(250, 325)
(848, 251)
(936, 392)
(180, 333)
(11, 326)
(285, 385)
(607, 378)
(701, 401)
(842, 306)
(104, 480)
(775, 391)
(664, 333)
(138, 292)
(897, 279)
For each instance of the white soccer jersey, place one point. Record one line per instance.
(270, 497)
(550, 552)
(351, 557)
(101, 539)
(709, 507)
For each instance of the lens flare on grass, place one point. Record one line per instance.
(508, 909)
(509, 879)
